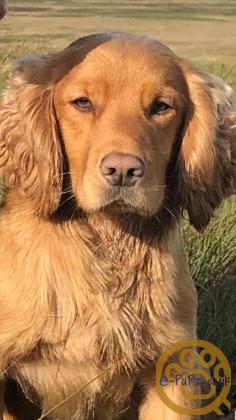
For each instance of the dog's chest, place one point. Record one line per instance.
(108, 303)
(101, 306)
(107, 328)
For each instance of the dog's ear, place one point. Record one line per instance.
(30, 152)
(207, 158)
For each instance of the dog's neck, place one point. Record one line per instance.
(107, 226)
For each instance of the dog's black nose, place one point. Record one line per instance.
(122, 169)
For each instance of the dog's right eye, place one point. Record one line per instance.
(159, 107)
(84, 104)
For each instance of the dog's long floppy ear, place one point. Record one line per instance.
(207, 159)
(30, 152)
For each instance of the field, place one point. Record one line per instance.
(204, 32)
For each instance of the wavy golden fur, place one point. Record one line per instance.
(93, 274)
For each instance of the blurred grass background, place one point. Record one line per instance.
(204, 32)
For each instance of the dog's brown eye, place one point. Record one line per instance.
(83, 103)
(158, 107)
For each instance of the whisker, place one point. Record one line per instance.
(168, 209)
(65, 201)
(67, 191)
(71, 218)
(66, 173)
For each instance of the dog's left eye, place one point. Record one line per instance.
(159, 107)
(83, 103)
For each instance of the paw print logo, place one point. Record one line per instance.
(187, 380)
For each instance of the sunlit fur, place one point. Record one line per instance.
(93, 277)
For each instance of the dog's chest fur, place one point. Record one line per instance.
(99, 299)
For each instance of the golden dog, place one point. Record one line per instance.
(102, 147)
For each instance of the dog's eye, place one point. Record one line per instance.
(83, 103)
(159, 107)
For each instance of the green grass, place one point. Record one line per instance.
(212, 261)
(136, 9)
(211, 255)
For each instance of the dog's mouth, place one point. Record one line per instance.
(121, 206)
(121, 199)
(125, 200)
(122, 195)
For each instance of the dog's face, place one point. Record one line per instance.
(120, 112)
(138, 127)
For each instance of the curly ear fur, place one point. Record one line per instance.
(30, 153)
(207, 161)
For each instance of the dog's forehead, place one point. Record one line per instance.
(123, 57)
(118, 40)
(129, 50)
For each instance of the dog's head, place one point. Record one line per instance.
(137, 126)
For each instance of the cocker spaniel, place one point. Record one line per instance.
(102, 147)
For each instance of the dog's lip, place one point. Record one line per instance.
(121, 206)
(123, 200)
(120, 195)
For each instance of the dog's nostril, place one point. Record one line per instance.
(110, 171)
(130, 172)
(122, 169)
(135, 172)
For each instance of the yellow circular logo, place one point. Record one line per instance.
(181, 365)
